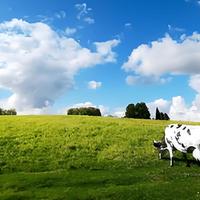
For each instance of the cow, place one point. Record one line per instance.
(184, 138)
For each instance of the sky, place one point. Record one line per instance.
(55, 55)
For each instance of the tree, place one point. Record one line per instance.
(166, 117)
(8, 112)
(158, 114)
(161, 115)
(139, 110)
(130, 111)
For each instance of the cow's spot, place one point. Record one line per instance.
(169, 142)
(172, 126)
(184, 128)
(179, 125)
(178, 134)
(188, 131)
(183, 145)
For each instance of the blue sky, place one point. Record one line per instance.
(137, 51)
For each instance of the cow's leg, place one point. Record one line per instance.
(160, 152)
(170, 149)
(171, 156)
(160, 155)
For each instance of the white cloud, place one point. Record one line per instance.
(175, 57)
(134, 80)
(70, 31)
(175, 29)
(194, 82)
(159, 61)
(94, 85)
(89, 20)
(105, 48)
(60, 15)
(162, 104)
(83, 12)
(180, 111)
(177, 109)
(38, 65)
(128, 25)
(44, 18)
(118, 112)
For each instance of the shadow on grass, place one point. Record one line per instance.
(188, 162)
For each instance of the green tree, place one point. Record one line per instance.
(158, 115)
(142, 111)
(130, 111)
(161, 115)
(139, 110)
(166, 117)
(8, 112)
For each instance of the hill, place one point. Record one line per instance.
(80, 157)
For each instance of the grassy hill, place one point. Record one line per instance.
(76, 157)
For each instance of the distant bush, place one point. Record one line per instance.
(8, 112)
(90, 111)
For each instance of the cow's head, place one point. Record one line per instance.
(159, 144)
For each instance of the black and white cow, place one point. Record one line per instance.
(183, 138)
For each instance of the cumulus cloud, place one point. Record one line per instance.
(162, 104)
(94, 85)
(177, 109)
(118, 112)
(175, 57)
(180, 111)
(38, 65)
(163, 59)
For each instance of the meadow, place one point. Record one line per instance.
(81, 157)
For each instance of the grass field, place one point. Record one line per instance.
(76, 157)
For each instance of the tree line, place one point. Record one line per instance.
(8, 112)
(139, 111)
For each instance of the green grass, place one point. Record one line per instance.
(76, 157)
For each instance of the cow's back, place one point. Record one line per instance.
(183, 137)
